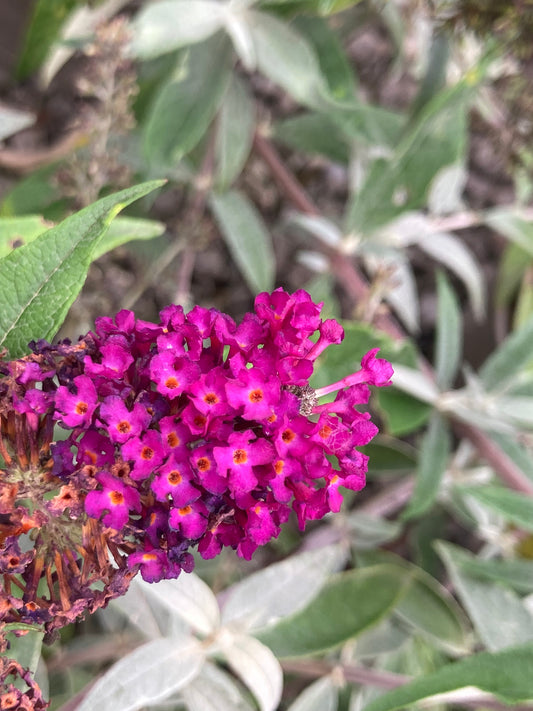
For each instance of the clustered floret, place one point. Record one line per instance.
(191, 433)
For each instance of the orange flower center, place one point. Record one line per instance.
(116, 498)
(255, 395)
(173, 439)
(147, 453)
(174, 477)
(171, 383)
(240, 456)
(124, 426)
(81, 408)
(210, 399)
(203, 464)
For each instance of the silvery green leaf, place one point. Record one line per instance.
(321, 227)
(169, 24)
(287, 59)
(370, 531)
(257, 667)
(446, 189)
(415, 383)
(518, 410)
(148, 675)
(13, 120)
(136, 607)
(214, 690)
(401, 293)
(247, 238)
(498, 614)
(409, 228)
(513, 224)
(322, 695)
(450, 251)
(238, 28)
(189, 598)
(282, 588)
(449, 334)
(509, 359)
(235, 133)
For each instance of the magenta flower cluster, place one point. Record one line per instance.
(200, 432)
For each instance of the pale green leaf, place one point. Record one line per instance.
(234, 136)
(448, 348)
(16, 231)
(498, 614)
(148, 675)
(13, 120)
(505, 674)
(169, 24)
(322, 695)
(185, 106)
(40, 280)
(128, 229)
(332, 618)
(247, 238)
(434, 454)
(512, 505)
(214, 690)
(281, 589)
(257, 668)
(509, 358)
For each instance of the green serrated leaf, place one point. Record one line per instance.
(505, 674)
(332, 617)
(40, 280)
(184, 107)
(449, 334)
(247, 238)
(434, 454)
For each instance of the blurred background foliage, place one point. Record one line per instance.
(379, 155)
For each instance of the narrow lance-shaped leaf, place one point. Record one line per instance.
(500, 618)
(234, 133)
(332, 617)
(513, 355)
(432, 463)
(149, 674)
(513, 506)
(448, 342)
(39, 281)
(247, 238)
(166, 25)
(185, 106)
(320, 696)
(505, 674)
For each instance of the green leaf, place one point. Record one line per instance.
(435, 140)
(247, 238)
(286, 58)
(513, 506)
(332, 618)
(142, 677)
(214, 690)
(257, 668)
(505, 674)
(320, 7)
(519, 454)
(517, 574)
(40, 280)
(331, 56)
(319, 696)
(46, 22)
(169, 24)
(514, 262)
(509, 359)
(280, 589)
(26, 650)
(426, 605)
(313, 133)
(390, 456)
(185, 106)
(16, 231)
(235, 132)
(12, 121)
(434, 454)
(127, 229)
(509, 222)
(33, 195)
(449, 334)
(498, 614)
